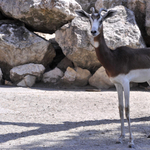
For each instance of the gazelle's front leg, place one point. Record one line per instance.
(121, 111)
(126, 87)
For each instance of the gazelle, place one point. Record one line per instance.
(123, 65)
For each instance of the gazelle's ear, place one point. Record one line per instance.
(82, 13)
(109, 13)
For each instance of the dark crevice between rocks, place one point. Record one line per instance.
(5, 70)
(141, 25)
(2, 17)
(59, 56)
(5, 17)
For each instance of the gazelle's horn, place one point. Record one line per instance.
(92, 10)
(102, 9)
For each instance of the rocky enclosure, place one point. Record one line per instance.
(30, 54)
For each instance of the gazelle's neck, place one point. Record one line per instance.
(103, 53)
(99, 39)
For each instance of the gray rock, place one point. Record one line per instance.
(100, 79)
(77, 76)
(41, 15)
(69, 76)
(52, 76)
(27, 81)
(20, 46)
(75, 40)
(18, 73)
(82, 76)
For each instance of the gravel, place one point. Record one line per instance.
(70, 119)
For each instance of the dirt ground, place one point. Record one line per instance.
(69, 119)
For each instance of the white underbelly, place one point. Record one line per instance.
(138, 75)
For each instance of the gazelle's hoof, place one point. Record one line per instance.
(120, 140)
(131, 145)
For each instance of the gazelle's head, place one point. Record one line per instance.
(96, 19)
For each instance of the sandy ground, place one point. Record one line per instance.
(55, 119)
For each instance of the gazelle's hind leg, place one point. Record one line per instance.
(126, 88)
(119, 89)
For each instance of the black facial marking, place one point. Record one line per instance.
(95, 16)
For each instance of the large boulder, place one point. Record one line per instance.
(19, 46)
(41, 15)
(141, 9)
(122, 30)
(75, 40)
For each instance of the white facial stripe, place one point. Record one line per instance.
(95, 25)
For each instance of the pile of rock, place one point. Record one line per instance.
(29, 53)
